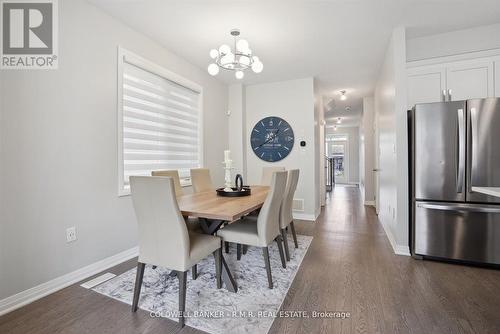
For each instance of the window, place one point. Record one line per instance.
(159, 120)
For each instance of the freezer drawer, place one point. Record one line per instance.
(466, 232)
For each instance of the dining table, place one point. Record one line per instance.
(214, 212)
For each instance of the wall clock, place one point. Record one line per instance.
(272, 139)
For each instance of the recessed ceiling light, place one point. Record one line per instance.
(343, 97)
(347, 108)
(339, 120)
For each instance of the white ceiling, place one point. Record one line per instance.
(339, 42)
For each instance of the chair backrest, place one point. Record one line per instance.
(286, 215)
(174, 174)
(267, 174)
(163, 235)
(268, 220)
(200, 179)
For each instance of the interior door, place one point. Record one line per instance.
(376, 170)
(439, 151)
(497, 78)
(425, 85)
(483, 145)
(470, 80)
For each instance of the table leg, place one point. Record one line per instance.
(227, 277)
(211, 227)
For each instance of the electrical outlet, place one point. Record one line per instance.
(71, 234)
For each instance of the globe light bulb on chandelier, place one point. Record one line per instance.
(238, 59)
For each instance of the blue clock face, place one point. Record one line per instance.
(272, 139)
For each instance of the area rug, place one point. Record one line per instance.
(251, 310)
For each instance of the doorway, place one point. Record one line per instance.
(338, 149)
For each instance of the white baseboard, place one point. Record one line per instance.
(304, 216)
(372, 203)
(28, 296)
(398, 249)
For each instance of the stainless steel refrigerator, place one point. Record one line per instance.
(454, 148)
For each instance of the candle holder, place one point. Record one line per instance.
(228, 166)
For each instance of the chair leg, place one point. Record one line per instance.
(285, 243)
(238, 252)
(294, 235)
(226, 246)
(245, 248)
(194, 272)
(218, 266)
(265, 250)
(182, 276)
(280, 248)
(138, 284)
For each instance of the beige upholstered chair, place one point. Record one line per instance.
(261, 231)
(200, 179)
(164, 239)
(192, 223)
(286, 217)
(267, 174)
(174, 174)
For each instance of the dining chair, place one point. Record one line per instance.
(261, 231)
(200, 179)
(267, 174)
(174, 174)
(286, 215)
(192, 223)
(164, 239)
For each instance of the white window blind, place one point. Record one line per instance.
(160, 124)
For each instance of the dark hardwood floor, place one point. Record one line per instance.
(349, 267)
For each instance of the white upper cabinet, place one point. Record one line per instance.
(453, 80)
(470, 80)
(497, 78)
(426, 85)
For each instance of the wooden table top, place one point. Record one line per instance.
(208, 205)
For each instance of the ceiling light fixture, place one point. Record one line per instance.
(343, 97)
(339, 120)
(335, 128)
(238, 60)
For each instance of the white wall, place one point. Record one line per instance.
(390, 106)
(294, 102)
(455, 42)
(237, 129)
(353, 134)
(59, 150)
(366, 150)
(319, 119)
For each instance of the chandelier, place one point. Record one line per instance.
(238, 60)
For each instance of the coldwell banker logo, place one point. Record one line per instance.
(29, 34)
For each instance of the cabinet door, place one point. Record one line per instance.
(425, 85)
(470, 80)
(497, 78)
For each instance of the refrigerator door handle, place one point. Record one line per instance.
(461, 151)
(472, 141)
(458, 208)
(444, 95)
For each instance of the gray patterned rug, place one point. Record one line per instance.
(251, 310)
